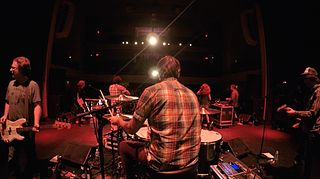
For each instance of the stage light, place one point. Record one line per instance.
(154, 73)
(152, 38)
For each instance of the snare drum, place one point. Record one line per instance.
(210, 149)
(143, 134)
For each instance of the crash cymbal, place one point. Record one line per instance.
(122, 98)
(125, 117)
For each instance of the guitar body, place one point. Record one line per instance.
(9, 133)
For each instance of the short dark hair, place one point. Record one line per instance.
(116, 79)
(24, 65)
(169, 66)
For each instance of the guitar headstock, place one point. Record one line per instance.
(61, 125)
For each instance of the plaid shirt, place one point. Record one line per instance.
(116, 90)
(173, 115)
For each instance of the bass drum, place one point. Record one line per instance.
(210, 149)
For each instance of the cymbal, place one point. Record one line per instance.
(122, 98)
(125, 117)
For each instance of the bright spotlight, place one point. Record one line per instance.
(152, 38)
(154, 73)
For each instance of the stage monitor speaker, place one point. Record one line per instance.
(77, 153)
(238, 147)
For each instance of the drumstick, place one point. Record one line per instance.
(106, 102)
(282, 108)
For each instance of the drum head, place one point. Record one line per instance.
(210, 136)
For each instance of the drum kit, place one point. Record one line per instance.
(211, 141)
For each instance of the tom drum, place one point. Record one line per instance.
(210, 149)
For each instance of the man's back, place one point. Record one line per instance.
(174, 119)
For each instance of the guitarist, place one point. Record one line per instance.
(310, 124)
(22, 101)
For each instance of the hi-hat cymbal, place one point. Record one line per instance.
(122, 98)
(125, 117)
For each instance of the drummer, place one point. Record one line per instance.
(172, 111)
(116, 89)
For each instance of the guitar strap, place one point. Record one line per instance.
(26, 96)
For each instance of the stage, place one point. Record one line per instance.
(81, 140)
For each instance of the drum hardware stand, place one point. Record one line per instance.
(116, 166)
(98, 132)
(116, 137)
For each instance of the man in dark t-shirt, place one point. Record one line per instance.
(22, 102)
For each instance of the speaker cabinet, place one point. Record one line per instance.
(238, 147)
(77, 153)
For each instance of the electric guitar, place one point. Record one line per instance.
(11, 129)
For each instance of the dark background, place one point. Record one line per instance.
(291, 32)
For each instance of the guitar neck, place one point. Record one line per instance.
(10, 130)
(57, 124)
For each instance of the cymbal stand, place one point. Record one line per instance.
(116, 137)
(119, 137)
(99, 130)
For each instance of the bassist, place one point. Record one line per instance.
(22, 101)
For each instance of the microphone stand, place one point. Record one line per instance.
(264, 123)
(101, 122)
